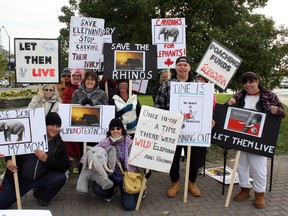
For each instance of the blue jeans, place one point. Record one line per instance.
(129, 201)
(47, 187)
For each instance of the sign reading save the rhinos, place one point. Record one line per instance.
(246, 130)
(87, 36)
(37, 60)
(155, 139)
(85, 123)
(130, 61)
(219, 64)
(22, 131)
(170, 37)
(195, 102)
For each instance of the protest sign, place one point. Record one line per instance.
(22, 131)
(140, 86)
(85, 123)
(38, 60)
(130, 61)
(219, 64)
(155, 139)
(87, 36)
(170, 37)
(246, 130)
(195, 102)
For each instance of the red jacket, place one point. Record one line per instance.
(67, 93)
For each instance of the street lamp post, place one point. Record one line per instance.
(9, 56)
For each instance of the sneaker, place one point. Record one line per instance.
(109, 199)
(192, 187)
(41, 202)
(173, 189)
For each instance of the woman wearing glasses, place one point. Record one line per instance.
(48, 98)
(116, 136)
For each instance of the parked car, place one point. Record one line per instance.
(4, 83)
(284, 83)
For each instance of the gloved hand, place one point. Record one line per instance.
(147, 174)
(85, 101)
(127, 108)
(131, 124)
(91, 103)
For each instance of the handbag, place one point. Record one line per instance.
(132, 181)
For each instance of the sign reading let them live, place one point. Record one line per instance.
(37, 60)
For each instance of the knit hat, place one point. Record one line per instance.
(53, 118)
(182, 59)
(116, 123)
(66, 71)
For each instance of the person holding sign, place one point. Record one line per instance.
(42, 171)
(127, 108)
(117, 137)
(48, 98)
(163, 102)
(88, 93)
(254, 96)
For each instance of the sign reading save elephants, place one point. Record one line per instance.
(22, 131)
(246, 130)
(195, 102)
(37, 60)
(85, 123)
(219, 64)
(87, 36)
(170, 37)
(155, 139)
(130, 61)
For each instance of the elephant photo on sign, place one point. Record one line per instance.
(169, 32)
(12, 128)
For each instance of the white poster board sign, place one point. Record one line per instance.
(170, 37)
(217, 173)
(86, 42)
(37, 60)
(85, 123)
(139, 86)
(28, 131)
(219, 64)
(195, 102)
(155, 139)
(25, 212)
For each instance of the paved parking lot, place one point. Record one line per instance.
(212, 202)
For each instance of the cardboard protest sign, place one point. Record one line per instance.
(130, 61)
(246, 130)
(85, 123)
(38, 60)
(219, 64)
(140, 86)
(87, 36)
(195, 102)
(170, 37)
(155, 139)
(217, 173)
(22, 131)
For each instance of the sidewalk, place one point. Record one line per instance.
(68, 203)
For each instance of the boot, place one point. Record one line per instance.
(173, 189)
(243, 195)
(259, 201)
(192, 187)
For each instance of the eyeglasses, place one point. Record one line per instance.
(76, 75)
(51, 90)
(115, 128)
(123, 84)
(66, 76)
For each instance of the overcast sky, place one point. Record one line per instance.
(39, 18)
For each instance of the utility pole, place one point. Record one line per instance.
(9, 57)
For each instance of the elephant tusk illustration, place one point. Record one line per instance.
(90, 164)
(107, 168)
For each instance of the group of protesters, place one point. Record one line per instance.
(50, 177)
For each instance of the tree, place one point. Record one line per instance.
(253, 37)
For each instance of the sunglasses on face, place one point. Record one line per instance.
(51, 90)
(115, 128)
(66, 76)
